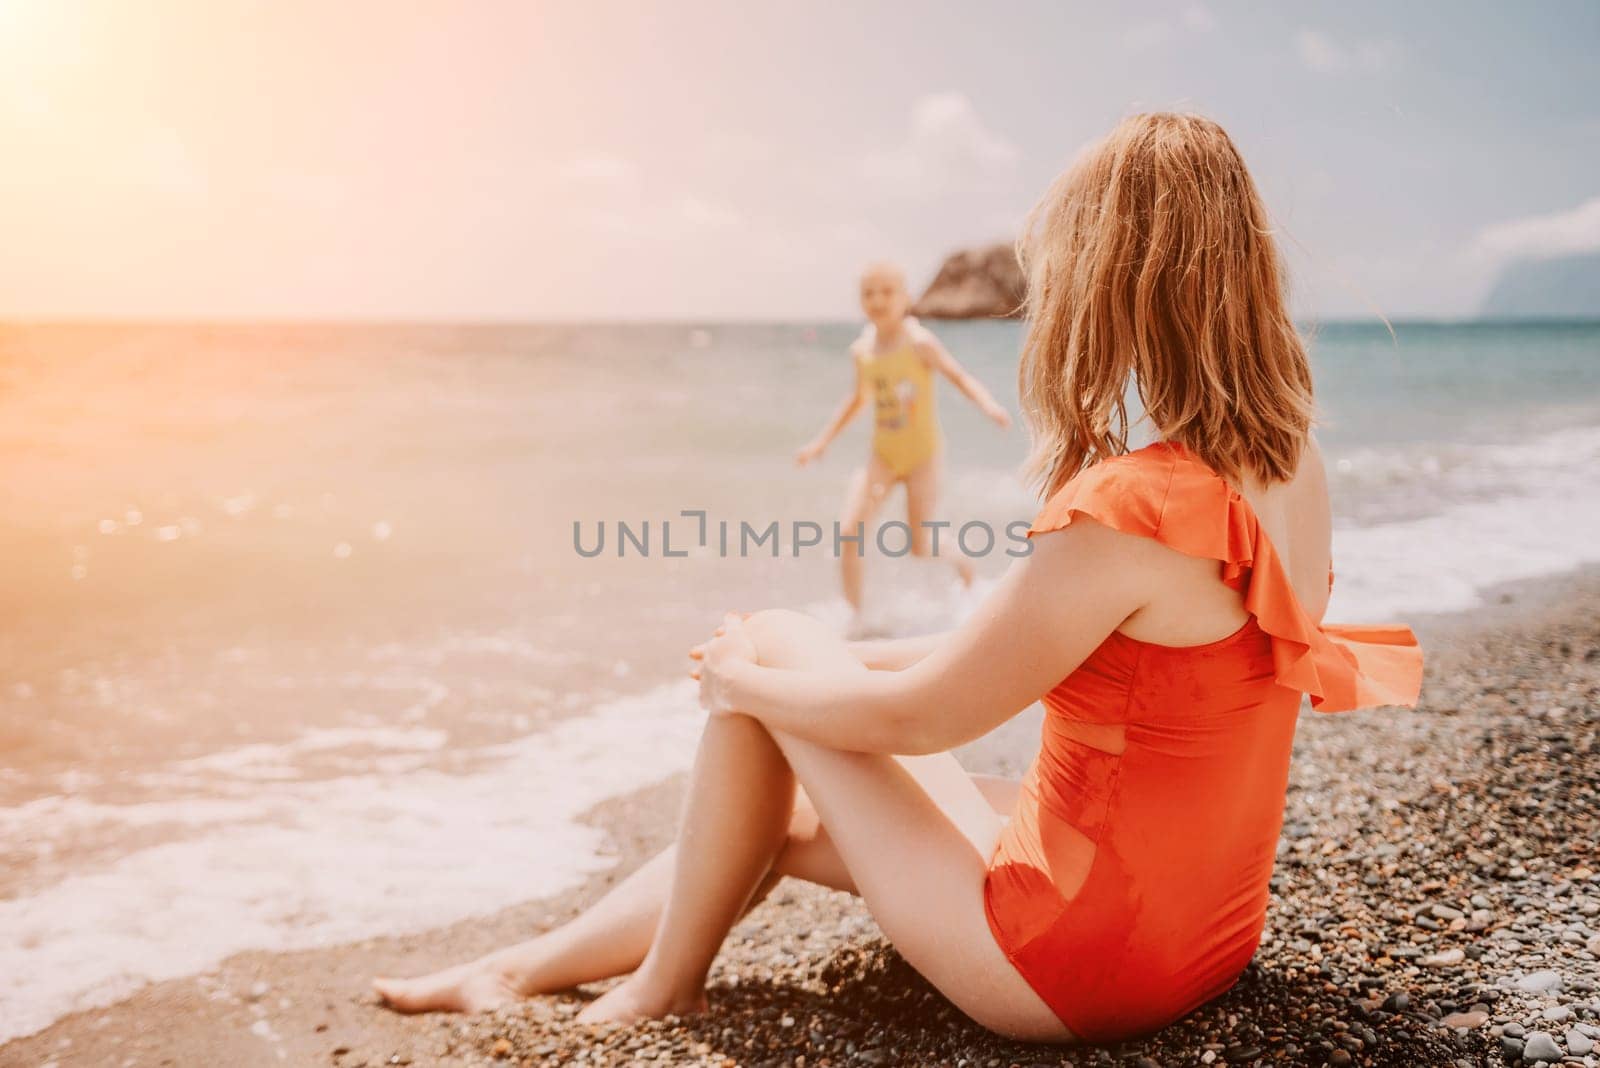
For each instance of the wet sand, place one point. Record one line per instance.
(1436, 902)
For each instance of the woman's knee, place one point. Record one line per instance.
(785, 638)
(777, 619)
(770, 629)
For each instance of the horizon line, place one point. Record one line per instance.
(7, 320)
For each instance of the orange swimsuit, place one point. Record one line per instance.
(1129, 889)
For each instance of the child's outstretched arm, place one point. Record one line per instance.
(933, 350)
(846, 411)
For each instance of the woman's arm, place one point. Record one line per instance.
(842, 415)
(896, 654)
(933, 350)
(1046, 615)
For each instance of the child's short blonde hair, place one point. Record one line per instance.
(885, 269)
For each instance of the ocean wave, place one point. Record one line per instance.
(297, 865)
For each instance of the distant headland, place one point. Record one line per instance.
(1561, 287)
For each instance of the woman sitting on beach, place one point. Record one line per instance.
(1168, 617)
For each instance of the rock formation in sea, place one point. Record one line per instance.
(982, 283)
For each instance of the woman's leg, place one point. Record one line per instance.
(607, 939)
(868, 488)
(914, 833)
(735, 820)
(611, 937)
(922, 505)
(917, 848)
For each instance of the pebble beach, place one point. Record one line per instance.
(1436, 902)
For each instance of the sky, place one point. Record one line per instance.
(708, 160)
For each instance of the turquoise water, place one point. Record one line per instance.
(362, 484)
(178, 488)
(1455, 383)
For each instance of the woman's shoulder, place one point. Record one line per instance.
(1127, 492)
(1163, 492)
(1150, 470)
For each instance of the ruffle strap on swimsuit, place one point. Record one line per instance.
(1166, 493)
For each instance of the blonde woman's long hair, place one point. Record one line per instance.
(1152, 258)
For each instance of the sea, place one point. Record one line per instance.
(304, 637)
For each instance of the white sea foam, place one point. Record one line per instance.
(295, 865)
(1445, 562)
(1516, 511)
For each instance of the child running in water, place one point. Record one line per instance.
(895, 358)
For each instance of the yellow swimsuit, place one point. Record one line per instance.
(900, 386)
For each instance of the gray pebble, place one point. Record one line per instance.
(1540, 982)
(1541, 1046)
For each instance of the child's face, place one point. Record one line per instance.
(883, 298)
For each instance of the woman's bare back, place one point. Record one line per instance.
(1192, 606)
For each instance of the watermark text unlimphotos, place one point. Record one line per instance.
(694, 530)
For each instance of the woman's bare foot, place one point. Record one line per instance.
(632, 999)
(472, 987)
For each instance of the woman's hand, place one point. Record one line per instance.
(808, 453)
(717, 658)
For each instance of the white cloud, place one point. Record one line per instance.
(1325, 54)
(733, 150)
(1318, 51)
(705, 214)
(1541, 236)
(602, 193)
(946, 124)
(1147, 34)
(611, 222)
(687, 217)
(611, 172)
(1152, 33)
(1199, 18)
(948, 146)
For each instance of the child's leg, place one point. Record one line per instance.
(868, 488)
(922, 502)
